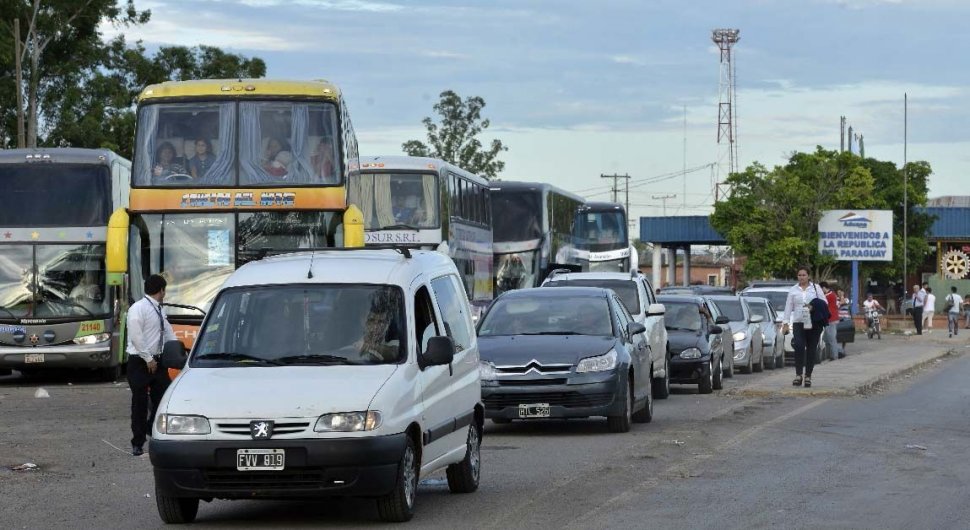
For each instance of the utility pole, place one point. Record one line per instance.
(21, 139)
(841, 134)
(905, 193)
(616, 189)
(664, 199)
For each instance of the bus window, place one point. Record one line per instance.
(282, 143)
(389, 199)
(185, 144)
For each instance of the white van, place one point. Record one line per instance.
(332, 373)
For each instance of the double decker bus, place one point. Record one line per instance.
(601, 243)
(228, 171)
(431, 204)
(532, 232)
(57, 309)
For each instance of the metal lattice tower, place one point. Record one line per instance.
(727, 124)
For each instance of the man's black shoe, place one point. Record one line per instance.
(136, 450)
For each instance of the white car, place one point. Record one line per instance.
(637, 295)
(333, 373)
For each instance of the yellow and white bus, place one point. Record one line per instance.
(57, 306)
(227, 171)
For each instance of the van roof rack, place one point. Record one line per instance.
(400, 249)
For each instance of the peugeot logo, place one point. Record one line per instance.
(261, 430)
(34, 339)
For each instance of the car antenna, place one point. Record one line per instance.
(309, 272)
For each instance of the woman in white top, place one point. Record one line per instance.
(798, 318)
(929, 308)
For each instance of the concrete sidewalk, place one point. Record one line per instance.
(869, 363)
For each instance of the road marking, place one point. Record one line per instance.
(683, 469)
(116, 447)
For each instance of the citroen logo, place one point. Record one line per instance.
(261, 430)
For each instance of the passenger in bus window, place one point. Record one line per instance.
(165, 162)
(323, 162)
(203, 160)
(402, 212)
(276, 156)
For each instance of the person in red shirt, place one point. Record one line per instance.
(829, 334)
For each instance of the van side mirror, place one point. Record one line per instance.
(756, 319)
(174, 355)
(722, 320)
(716, 330)
(441, 351)
(635, 328)
(655, 310)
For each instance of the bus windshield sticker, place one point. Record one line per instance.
(218, 248)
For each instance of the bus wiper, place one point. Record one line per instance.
(315, 359)
(240, 357)
(400, 226)
(552, 333)
(71, 304)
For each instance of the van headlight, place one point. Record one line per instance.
(348, 422)
(600, 363)
(740, 335)
(182, 424)
(690, 353)
(93, 339)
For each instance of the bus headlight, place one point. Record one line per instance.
(176, 424)
(93, 339)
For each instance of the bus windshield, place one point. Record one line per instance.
(278, 143)
(516, 215)
(601, 231)
(52, 281)
(196, 252)
(389, 200)
(59, 188)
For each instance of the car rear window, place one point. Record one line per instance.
(625, 289)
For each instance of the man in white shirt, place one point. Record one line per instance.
(953, 313)
(148, 330)
(919, 298)
(929, 308)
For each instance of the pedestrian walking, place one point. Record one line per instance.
(805, 331)
(966, 310)
(829, 334)
(929, 308)
(919, 298)
(148, 330)
(891, 298)
(952, 307)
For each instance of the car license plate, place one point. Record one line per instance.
(534, 410)
(260, 459)
(34, 358)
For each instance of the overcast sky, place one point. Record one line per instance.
(578, 89)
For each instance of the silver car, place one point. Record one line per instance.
(771, 328)
(745, 330)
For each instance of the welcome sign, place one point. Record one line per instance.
(856, 235)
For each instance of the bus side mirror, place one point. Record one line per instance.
(174, 355)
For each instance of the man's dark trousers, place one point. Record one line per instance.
(918, 319)
(144, 386)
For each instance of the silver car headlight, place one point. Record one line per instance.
(182, 424)
(93, 339)
(348, 422)
(600, 363)
(740, 335)
(691, 353)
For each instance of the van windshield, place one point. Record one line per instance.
(304, 324)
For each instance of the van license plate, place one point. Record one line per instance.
(260, 459)
(34, 358)
(534, 410)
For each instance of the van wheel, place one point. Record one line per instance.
(176, 510)
(398, 505)
(463, 477)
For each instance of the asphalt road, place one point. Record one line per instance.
(707, 461)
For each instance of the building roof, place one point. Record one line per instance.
(950, 201)
(951, 223)
(692, 229)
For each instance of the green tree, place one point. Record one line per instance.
(772, 215)
(100, 113)
(61, 42)
(888, 194)
(454, 139)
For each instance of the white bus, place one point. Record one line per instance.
(429, 204)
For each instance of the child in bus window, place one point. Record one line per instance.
(323, 162)
(203, 160)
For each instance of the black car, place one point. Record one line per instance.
(696, 348)
(571, 352)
